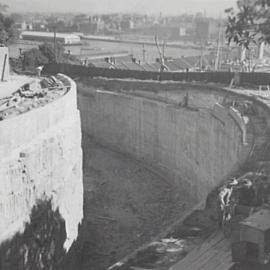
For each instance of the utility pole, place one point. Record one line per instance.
(144, 52)
(163, 49)
(201, 58)
(161, 56)
(54, 42)
(218, 49)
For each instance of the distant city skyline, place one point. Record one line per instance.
(166, 7)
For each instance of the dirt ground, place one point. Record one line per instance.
(125, 205)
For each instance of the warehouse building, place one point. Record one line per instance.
(49, 37)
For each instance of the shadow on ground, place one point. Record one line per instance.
(125, 205)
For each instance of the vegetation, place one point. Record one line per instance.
(51, 53)
(7, 30)
(33, 58)
(250, 24)
(44, 54)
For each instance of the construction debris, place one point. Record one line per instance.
(32, 95)
(169, 245)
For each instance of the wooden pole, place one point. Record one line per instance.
(4, 68)
(54, 43)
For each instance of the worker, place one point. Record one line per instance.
(224, 196)
(227, 200)
(39, 70)
(223, 204)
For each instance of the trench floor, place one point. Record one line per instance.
(125, 206)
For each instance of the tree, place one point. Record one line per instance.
(250, 24)
(3, 7)
(45, 54)
(48, 51)
(53, 54)
(42, 55)
(7, 30)
(33, 58)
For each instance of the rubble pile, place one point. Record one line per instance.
(165, 252)
(33, 95)
(158, 255)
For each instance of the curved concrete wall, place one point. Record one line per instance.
(41, 158)
(195, 148)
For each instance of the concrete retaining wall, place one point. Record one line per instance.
(41, 159)
(192, 147)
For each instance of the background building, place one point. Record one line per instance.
(49, 37)
(201, 30)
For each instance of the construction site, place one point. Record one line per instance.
(208, 149)
(115, 169)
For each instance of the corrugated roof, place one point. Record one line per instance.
(259, 220)
(156, 65)
(101, 64)
(132, 66)
(171, 66)
(150, 67)
(181, 63)
(120, 65)
(178, 64)
(192, 60)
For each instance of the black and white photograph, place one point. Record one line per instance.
(135, 135)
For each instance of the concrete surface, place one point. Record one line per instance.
(41, 158)
(14, 83)
(193, 148)
(125, 205)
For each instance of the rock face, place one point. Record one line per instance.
(41, 159)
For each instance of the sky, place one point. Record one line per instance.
(166, 7)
